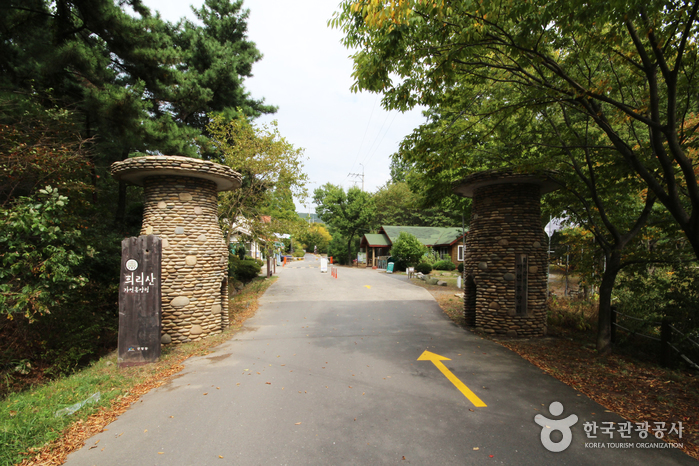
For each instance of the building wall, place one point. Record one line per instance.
(505, 221)
(455, 253)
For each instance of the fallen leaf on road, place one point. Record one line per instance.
(220, 456)
(268, 383)
(145, 431)
(161, 452)
(475, 448)
(298, 423)
(350, 386)
(470, 410)
(206, 393)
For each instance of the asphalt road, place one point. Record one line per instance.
(327, 373)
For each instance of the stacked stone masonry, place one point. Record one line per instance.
(183, 212)
(505, 221)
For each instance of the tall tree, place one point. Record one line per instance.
(137, 83)
(349, 213)
(397, 204)
(272, 169)
(315, 237)
(628, 66)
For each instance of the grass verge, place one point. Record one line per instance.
(31, 433)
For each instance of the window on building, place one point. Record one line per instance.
(460, 253)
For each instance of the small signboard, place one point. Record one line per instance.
(389, 267)
(323, 265)
(139, 301)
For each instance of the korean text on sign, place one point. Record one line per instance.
(138, 283)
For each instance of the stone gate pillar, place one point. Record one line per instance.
(506, 257)
(181, 207)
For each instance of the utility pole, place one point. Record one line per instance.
(358, 175)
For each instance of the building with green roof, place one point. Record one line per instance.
(446, 241)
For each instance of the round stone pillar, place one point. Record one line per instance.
(506, 257)
(181, 207)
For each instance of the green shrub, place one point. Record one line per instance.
(241, 252)
(431, 257)
(460, 267)
(260, 262)
(445, 264)
(408, 249)
(299, 253)
(233, 261)
(40, 258)
(246, 270)
(424, 268)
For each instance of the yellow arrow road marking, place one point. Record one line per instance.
(437, 361)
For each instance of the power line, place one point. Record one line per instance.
(382, 137)
(359, 150)
(358, 176)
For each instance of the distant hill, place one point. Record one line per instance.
(313, 217)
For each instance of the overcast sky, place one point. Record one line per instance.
(306, 72)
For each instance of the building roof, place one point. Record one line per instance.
(375, 240)
(428, 236)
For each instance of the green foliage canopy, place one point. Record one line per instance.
(351, 213)
(627, 66)
(272, 170)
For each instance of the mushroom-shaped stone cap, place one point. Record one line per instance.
(468, 185)
(137, 169)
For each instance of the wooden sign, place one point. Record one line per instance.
(139, 301)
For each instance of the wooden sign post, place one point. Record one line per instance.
(139, 301)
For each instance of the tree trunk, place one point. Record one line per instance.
(604, 326)
(349, 251)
